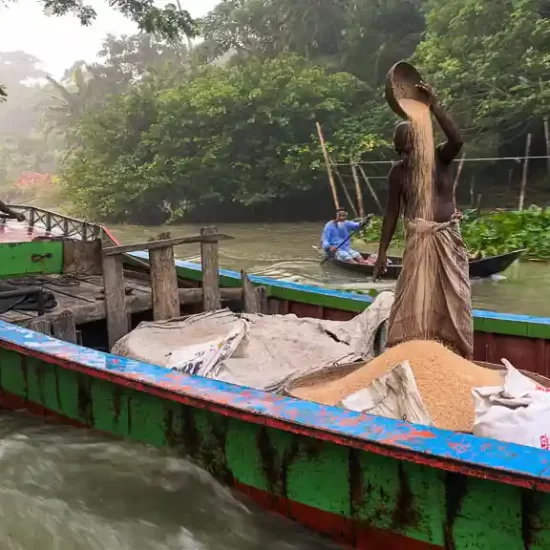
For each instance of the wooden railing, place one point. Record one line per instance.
(166, 294)
(64, 226)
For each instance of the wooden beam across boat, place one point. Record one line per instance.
(88, 312)
(164, 243)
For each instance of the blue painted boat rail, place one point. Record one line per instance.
(269, 282)
(473, 456)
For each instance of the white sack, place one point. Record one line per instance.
(516, 412)
(393, 395)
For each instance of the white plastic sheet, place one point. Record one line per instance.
(257, 351)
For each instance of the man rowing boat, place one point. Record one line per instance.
(432, 296)
(335, 240)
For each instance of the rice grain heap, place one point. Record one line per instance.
(444, 379)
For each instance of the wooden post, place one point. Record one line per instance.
(547, 139)
(358, 191)
(41, 325)
(329, 169)
(344, 188)
(210, 272)
(458, 172)
(254, 298)
(261, 297)
(371, 189)
(64, 327)
(115, 299)
(524, 172)
(250, 303)
(164, 284)
(48, 222)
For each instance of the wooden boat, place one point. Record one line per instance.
(479, 268)
(368, 482)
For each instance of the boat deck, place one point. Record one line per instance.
(82, 295)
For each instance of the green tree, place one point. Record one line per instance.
(241, 135)
(123, 62)
(169, 21)
(490, 60)
(358, 36)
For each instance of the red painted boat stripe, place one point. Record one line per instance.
(341, 529)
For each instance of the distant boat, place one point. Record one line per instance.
(479, 268)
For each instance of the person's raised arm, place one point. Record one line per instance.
(393, 207)
(449, 150)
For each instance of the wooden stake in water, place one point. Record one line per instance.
(344, 189)
(358, 191)
(458, 173)
(329, 169)
(371, 189)
(525, 172)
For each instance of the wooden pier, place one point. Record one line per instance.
(101, 283)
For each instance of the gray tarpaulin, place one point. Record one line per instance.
(257, 351)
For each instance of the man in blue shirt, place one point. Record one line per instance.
(335, 233)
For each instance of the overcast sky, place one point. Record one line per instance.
(59, 41)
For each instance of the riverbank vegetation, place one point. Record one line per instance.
(491, 233)
(159, 129)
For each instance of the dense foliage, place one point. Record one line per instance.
(159, 130)
(492, 233)
(242, 134)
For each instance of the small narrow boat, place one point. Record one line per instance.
(479, 268)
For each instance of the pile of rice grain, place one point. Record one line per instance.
(444, 379)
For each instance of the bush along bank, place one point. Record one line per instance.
(491, 233)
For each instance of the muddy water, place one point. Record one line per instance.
(289, 251)
(66, 489)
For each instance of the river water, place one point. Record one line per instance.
(289, 252)
(65, 489)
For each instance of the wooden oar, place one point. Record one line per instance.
(364, 224)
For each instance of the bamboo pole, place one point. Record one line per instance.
(547, 138)
(458, 172)
(329, 169)
(371, 189)
(525, 172)
(358, 191)
(344, 189)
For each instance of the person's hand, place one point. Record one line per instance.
(20, 217)
(429, 91)
(332, 249)
(366, 220)
(380, 266)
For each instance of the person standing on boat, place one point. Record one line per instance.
(432, 295)
(335, 240)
